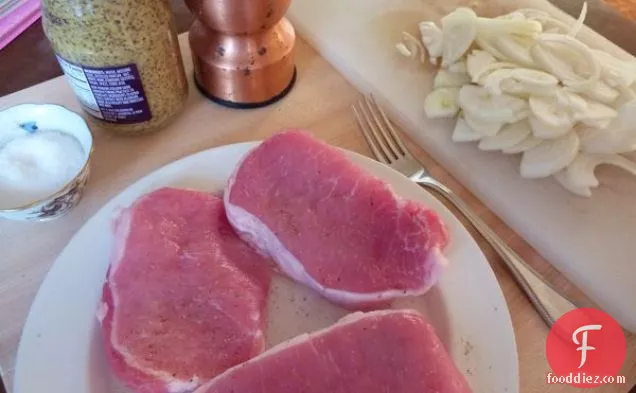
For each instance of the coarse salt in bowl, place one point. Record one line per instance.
(45, 152)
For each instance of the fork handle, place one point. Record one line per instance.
(550, 304)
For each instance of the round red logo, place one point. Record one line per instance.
(585, 348)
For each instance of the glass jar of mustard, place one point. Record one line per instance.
(121, 58)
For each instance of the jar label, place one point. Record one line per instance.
(113, 94)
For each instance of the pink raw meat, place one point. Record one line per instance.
(393, 351)
(184, 297)
(331, 225)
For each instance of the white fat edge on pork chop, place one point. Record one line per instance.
(121, 231)
(102, 311)
(255, 232)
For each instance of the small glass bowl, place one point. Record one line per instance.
(32, 117)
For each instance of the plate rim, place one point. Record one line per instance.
(246, 146)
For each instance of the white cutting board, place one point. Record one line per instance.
(591, 241)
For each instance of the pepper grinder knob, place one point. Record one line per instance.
(242, 51)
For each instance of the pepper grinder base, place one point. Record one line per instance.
(248, 105)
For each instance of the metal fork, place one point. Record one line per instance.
(388, 148)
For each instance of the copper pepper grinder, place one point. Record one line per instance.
(242, 51)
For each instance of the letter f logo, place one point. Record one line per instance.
(583, 344)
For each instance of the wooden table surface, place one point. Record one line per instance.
(320, 102)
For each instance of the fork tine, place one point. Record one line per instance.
(392, 132)
(376, 131)
(368, 136)
(383, 130)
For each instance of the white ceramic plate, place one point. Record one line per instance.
(60, 350)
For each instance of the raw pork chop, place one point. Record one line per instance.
(184, 297)
(331, 225)
(377, 352)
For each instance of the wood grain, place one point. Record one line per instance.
(321, 103)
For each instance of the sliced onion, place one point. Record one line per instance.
(548, 22)
(600, 124)
(548, 112)
(509, 136)
(484, 72)
(411, 47)
(626, 95)
(526, 90)
(515, 50)
(570, 101)
(492, 82)
(459, 67)
(463, 132)
(483, 106)
(541, 130)
(606, 141)
(549, 157)
(445, 78)
(515, 15)
(526, 144)
(497, 27)
(442, 103)
(603, 92)
(403, 49)
(555, 25)
(562, 178)
(539, 91)
(619, 137)
(519, 81)
(477, 62)
(533, 14)
(574, 30)
(459, 30)
(512, 87)
(489, 30)
(484, 128)
(530, 82)
(485, 43)
(535, 77)
(432, 39)
(547, 60)
(519, 115)
(617, 73)
(579, 176)
(595, 112)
